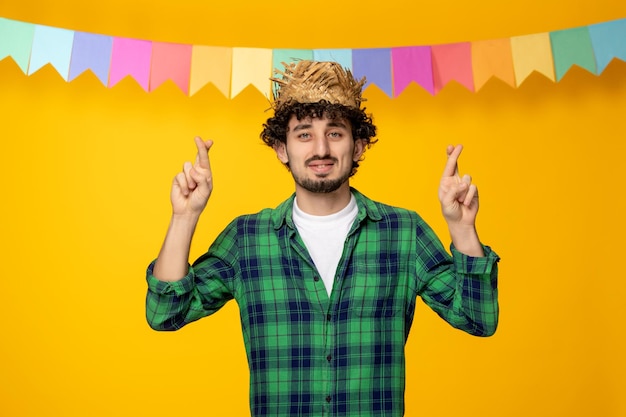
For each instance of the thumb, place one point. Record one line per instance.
(455, 194)
(204, 182)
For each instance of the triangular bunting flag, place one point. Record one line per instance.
(492, 59)
(251, 66)
(170, 61)
(131, 57)
(532, 53)
(289, 55)
(211, 64)
(572, 47)
(412, 64)
(51, 46)
(375, 66)
(16, 41)
(452, 62)
(609, 41)
(231, 69)
(342, 56)
(91, 52)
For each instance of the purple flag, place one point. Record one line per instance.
(375, 65)
(91, 52)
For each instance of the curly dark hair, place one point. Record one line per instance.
(276, 127)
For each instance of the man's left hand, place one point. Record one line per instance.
(457, 195)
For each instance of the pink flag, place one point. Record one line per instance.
(452, 62)
(130, 57)
(170, 61)
(412, 63)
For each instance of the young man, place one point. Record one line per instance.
(326, 282)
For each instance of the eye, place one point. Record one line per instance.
(335, 134)
(304, 135)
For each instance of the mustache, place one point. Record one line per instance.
(320, 158)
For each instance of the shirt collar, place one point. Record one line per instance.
(367, 208)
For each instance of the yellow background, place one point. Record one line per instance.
(85, 174)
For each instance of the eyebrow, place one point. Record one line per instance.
(334, 123)
(337, 123)
(302, 126)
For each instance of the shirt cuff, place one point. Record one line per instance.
(474, 265)
(181, 287)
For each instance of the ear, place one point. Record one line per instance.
(281, 152)
(359, 149)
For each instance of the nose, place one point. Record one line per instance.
(322, 147)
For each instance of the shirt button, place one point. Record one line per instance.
(329, 357)
(316, 278)
(328, 399)
(328, 317)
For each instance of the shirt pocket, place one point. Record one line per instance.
(376, 290)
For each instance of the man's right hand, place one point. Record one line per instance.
(192, 187)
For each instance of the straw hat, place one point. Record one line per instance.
(312, 81)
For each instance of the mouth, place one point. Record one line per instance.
(321, 167)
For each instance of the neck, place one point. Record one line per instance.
(323, 204)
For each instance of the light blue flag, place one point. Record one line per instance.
(375, 66)
(16, 40)
(342, 56)
(91, 52)
(609, 41)
(52, 46)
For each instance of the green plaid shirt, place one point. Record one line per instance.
(314, 355)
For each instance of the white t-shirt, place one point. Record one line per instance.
(324, 237)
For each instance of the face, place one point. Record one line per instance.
(320, 153)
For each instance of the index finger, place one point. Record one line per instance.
(202, 159)
(452, 167)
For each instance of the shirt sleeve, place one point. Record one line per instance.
(208, 285)
(461, 289)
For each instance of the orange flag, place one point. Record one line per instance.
(492, 58)
(532, 53)
(211, 64)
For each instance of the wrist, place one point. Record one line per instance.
(183, 224)
(465, 240)
(185, 218)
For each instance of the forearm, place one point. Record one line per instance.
(465, 294)
(478, 314)
(173, 261)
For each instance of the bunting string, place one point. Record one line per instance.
(231, 69)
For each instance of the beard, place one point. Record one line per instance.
(322, 185)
